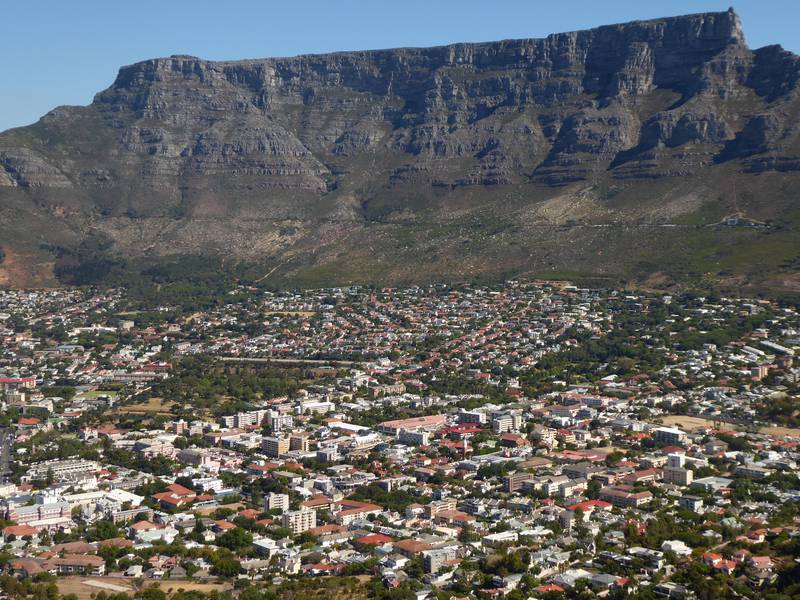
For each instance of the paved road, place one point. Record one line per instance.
(308, 362)
(6, 446)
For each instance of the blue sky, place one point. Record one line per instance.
(58, 52)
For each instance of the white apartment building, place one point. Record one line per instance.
(299, 520)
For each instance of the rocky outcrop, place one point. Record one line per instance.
(24, 167)
(315, 137)
(555, 110)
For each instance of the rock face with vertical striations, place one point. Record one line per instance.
(398, 164)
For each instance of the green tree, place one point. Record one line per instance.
(235, 539)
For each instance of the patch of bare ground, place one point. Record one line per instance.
(23, 270)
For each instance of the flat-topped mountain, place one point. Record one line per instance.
(663, 149)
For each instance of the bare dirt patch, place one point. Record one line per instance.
(170, 586)
(688, 423)
(207, 510)
(692, 424)
(781, 431)
(85, 587)
(24, 270)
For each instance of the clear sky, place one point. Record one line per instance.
(59, 52)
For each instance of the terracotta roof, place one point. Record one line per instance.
(179, 490)
(75, 559)
(328, 528)
(74, 548)
(20, 530)
(412, 546)
(375, 539)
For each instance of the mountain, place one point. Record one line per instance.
(656, 151)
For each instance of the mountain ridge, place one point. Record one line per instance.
(417, 163)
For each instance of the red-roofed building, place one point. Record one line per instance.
(318, 502)
(549, 588)
(143, 526)
(590, 505)
(175, 496)
(760, 562)
(260, 470)
(411, 547)
(374, 539)
(512, 440)
(19, 531)
(353, 510)
(327, 529)
(15, 383)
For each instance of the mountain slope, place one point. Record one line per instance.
(611, 151)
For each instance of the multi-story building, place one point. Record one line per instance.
(15, 383)
(300, 441)
(196, 457)
(582, 470)
(387, 390)
(328, 454)
(472, 416)
(275, 446)
(276, 502)
(624, 497)
(753, 471)
(432, 509)
(244, 419)
(506, 422)
(120, 516)
(48, 511)
(545, 435)
(299, 520)
(278, 421)
(150, 448)
(426, 423)
(549, 485)
(573, 487)
(669, 435)
(675, 471)
(61, 470)
(209, 483)
(414, 438)
(76, 564)
(512, 483)
(433, 560)
(693, 503)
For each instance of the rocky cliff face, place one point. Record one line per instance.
(282, 150)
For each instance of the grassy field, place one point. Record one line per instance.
(157, 406)
(96, 394)
(85, 587)
(692, 424)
